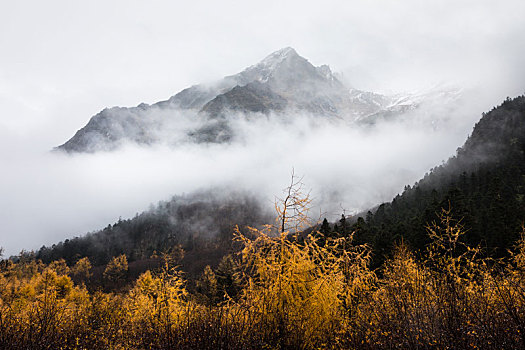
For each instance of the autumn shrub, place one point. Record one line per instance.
(452, 296)
(156, 308)
(298, 292)
(44, 311)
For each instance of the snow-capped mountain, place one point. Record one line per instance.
(282, 83)
(429, 105)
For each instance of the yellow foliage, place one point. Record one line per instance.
(156, 306)
(302, 289)
(310, 292)
(116, 269)
(82, 269)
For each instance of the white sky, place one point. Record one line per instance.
(63, 61)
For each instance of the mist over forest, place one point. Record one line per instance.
(54, 80)
(347, 168)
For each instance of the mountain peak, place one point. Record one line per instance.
(284, 66)
(280, 55)
(286, 51)
(262, 70)
(282, 80)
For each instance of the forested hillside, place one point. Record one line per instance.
(201, 224)
(319, 292)
(484, 185)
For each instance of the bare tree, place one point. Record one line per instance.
(292, 210)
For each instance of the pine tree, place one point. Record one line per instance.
(325, 228)
(228, 277)
(207, 286)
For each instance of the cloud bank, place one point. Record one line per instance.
(50, 196)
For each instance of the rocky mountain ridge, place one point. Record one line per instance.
(283, 82)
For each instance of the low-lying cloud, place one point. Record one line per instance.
(51, 196)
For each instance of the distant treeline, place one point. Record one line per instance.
(201, 224)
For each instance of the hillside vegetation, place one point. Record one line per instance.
(200, 225)
(278, 293)
(484, 184)
(441, 266)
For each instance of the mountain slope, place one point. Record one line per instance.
(254, 97)
(283, 79)
(484, 185)
(201, 223)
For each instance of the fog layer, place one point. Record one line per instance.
(50, 196)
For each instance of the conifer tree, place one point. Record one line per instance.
(325, 228)
(116, 270)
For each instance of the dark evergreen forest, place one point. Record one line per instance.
(196, 228)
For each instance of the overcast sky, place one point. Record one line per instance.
(63, 61)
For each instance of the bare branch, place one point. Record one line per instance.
(293, 209)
